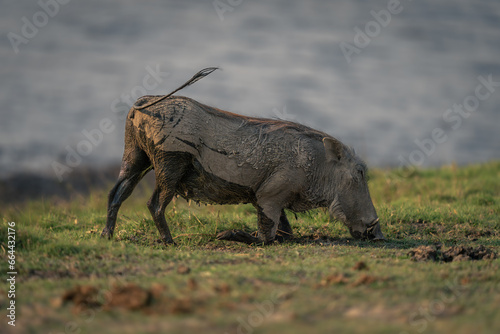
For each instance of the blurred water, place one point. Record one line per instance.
(279, 59)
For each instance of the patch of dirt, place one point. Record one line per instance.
(450, 254)
(182, 306)
(222, 288)
(360, 265)
(183, 270)
(82, 296)
(153, 300)
(461, 253)
(331, 280)
(352, 281)
(365, 279)
(424, 253)
(192, 284)
(379, 312)
(128, 297)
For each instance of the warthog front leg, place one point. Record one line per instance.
(284, 229)
(268, 221)
(271, 198)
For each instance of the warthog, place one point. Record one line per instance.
(214, 156)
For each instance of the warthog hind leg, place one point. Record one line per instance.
(135, 165)
(168, 173)
(157, 203)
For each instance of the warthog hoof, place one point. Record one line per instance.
(107, 234)
(238, 235)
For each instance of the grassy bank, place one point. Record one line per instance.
(324, 281)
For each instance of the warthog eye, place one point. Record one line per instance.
(363, 174)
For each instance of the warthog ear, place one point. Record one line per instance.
(333, 149)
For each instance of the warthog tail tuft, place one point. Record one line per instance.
(201, 74)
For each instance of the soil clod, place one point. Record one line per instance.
(82, 296)
(364, 280)
(450, 254)
(129, 297)
(183, 270)
(360, 265)
(222, 289)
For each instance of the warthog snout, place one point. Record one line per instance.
(371, 231)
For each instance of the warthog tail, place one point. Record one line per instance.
(201, 74)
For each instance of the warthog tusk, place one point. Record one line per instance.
(373, 223)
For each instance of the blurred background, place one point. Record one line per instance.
(377, 76)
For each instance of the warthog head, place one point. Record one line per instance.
(351, 203)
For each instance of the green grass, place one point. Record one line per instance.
(288, 287)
